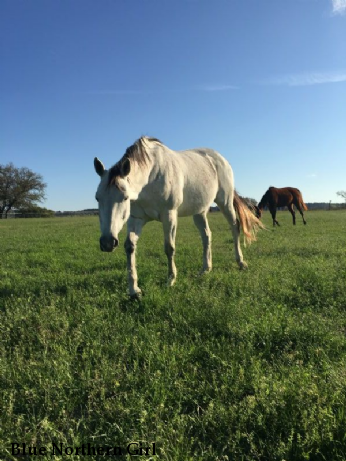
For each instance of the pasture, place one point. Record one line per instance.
(234, 365)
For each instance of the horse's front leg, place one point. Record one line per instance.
(134, 229)
(169, 222)
(273, 213)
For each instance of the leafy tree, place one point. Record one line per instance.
(250, 201)
(342, 193)
(19, 188)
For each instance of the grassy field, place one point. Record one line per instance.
(230, 366)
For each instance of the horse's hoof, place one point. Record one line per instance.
(243, 266)
(170, 282)
(137, 295)
(205, 271)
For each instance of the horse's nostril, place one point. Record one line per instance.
(108, 243)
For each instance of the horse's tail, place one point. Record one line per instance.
(248, 221)
(301, 201)
(302, 204)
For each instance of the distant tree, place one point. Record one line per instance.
(342, 193)
(19, 188)
(250, 202)
(35, 211)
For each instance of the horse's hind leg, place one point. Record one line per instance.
(293, 213)
(201, 223)
(299, 208)
(169, 222)
(230, 214)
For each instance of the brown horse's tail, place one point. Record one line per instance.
(301, 201)
(303, 205)
(248, 221)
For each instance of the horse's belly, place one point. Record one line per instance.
(190, 211)
(196, 200)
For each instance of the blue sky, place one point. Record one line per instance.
(263, 82)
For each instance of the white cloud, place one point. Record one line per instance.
(307, 79)
(312, 175)
(339, 6)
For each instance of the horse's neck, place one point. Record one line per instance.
(138, 178)
(140, 175)
(262, 204)
(264, 201)
(159, 159)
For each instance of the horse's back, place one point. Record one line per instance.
(282, 196)
(284, 190)
(221, 182)
(293, 193)
(188, 181)
(200, 179)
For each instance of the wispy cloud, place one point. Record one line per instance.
(312, 175)
(306, 79)
(205, 88)
(339, 6)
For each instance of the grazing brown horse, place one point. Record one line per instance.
(286, 196)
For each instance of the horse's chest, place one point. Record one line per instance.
(156, 198)
(144, 211)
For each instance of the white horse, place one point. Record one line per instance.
(153, 182)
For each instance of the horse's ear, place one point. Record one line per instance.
(99, 166)
(125, 167)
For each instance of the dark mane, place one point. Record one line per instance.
(264, 199)
(136, 153)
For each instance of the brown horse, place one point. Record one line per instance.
(286, 196)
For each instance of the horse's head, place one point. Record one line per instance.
(113, 195)
(258, 212)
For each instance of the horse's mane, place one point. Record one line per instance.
(136, 153)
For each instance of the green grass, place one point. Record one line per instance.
(230, 366)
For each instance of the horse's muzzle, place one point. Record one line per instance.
(108, 244)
